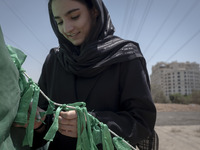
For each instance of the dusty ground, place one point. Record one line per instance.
(178, 126)
(177, 107)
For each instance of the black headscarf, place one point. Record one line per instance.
(101, 50)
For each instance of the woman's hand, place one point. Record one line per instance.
(68, 123)
(38, 119)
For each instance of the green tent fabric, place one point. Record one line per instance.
(9, 100)
(10, 94)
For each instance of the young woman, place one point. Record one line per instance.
(93, 66)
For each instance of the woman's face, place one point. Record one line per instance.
(73, 19)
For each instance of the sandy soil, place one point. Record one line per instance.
(177, 107)
(178, 126)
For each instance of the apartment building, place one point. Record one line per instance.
(176, 77)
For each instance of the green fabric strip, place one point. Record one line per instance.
(85, 137)
(120, 144)
(17, 56)
(106, 138)
(28, 140)
(54, 127)
(22, 115)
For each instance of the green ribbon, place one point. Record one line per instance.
(120, 144)
(85, 137)
(22, 114)
(28, 139)
(49, 111)
(106, 138)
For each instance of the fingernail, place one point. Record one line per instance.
(38, 118)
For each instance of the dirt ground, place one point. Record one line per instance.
(177, 107)
(178, 126)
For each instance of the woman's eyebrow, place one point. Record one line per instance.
(67, 13)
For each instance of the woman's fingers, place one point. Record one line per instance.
(38, 118)
(68, 123)
(69, 133)
(68, 128)
(18, 125)
(64, 121)
(68, 114)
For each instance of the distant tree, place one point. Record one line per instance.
(158, 95)
(195, 97)
(175, 98)
(179, 99)
(186, 99)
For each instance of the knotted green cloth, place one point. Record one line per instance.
(29, 95)
(90, 130)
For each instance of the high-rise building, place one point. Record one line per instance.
(172, 78)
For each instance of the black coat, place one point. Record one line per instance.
(119, 96)
(107, 73)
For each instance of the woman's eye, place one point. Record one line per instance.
(59, 23)
(75, 17)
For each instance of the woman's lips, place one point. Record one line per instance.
(73, 35)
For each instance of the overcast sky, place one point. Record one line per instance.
(167, 30)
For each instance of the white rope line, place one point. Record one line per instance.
(122, 139)
(47, 98)
(57, 104)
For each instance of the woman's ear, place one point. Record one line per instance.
(95, 12)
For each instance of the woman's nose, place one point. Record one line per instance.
(68, 27)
